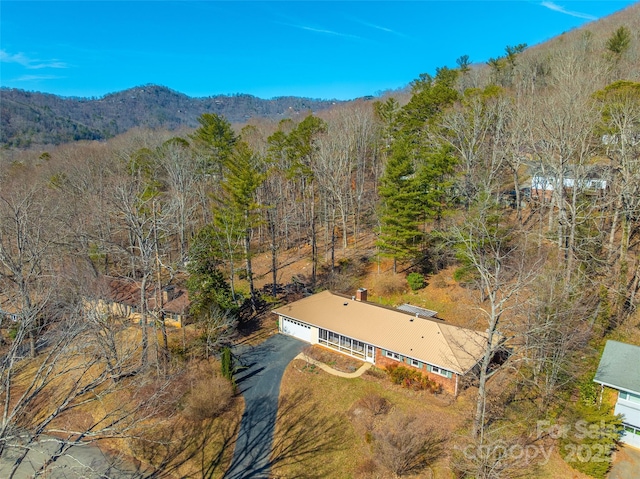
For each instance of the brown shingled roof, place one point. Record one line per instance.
(122, 291)
(432, 341)
(179, 304)
(126, 291)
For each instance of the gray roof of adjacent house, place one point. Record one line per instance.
(619, 366)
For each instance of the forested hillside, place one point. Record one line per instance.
(522, 177)
(32, 118)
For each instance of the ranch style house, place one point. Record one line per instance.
(383, 336)
(121, 297)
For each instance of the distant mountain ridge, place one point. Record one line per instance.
(29, 118)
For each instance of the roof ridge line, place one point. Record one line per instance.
(447, 340)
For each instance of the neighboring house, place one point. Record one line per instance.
(121, 297)
(8, 309)
(542, 186)
(11, 315)
(619, 369)
(632, 139)
(385, 336)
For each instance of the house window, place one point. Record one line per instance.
(631, 429)
(440, 371)
(629, 397)
(393, 355)
(415, 363)
(344, 344)
(298, 323)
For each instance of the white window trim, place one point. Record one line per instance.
(630, 397)
(440, 371)
(338, 342)
(392, 355)
(629, 429)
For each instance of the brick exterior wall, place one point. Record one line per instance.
(448, 384)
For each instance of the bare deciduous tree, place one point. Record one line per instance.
(30, 241)
(500, 454)
(405, 444)
(499, 259)
(80, 390)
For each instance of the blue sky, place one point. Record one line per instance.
(319, 49)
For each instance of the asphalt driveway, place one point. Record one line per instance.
(259, 383)
(626, 463)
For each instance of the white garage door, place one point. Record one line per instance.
(631, 436)
(296, 329)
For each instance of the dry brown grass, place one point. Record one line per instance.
(187, 448)
(345, 399)
(196, 436)
(181, 436)
(360, 407)
(454, 303)
(208, 398)
(331, 358)
(389, 285)
(558, 468)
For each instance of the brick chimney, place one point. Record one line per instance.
(168, 294)
(361, 294)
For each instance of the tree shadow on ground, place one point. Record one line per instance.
(188, 448)
(303, 435)
(253, 446)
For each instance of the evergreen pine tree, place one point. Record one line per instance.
(417, 175)
(400, 234)
(243, 179)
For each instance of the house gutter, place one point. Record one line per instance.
(618, 388)
(386, 348)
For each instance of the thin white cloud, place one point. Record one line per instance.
(381, 28)
(30, 78)
(323, 31)
(51, 64)
(17, 58)
(30, 63)
(559, 9)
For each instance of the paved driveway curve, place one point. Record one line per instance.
(626, 463)
(259, 383)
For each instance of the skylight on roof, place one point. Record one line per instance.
(418, 311)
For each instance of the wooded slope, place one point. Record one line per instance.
(32, 118)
